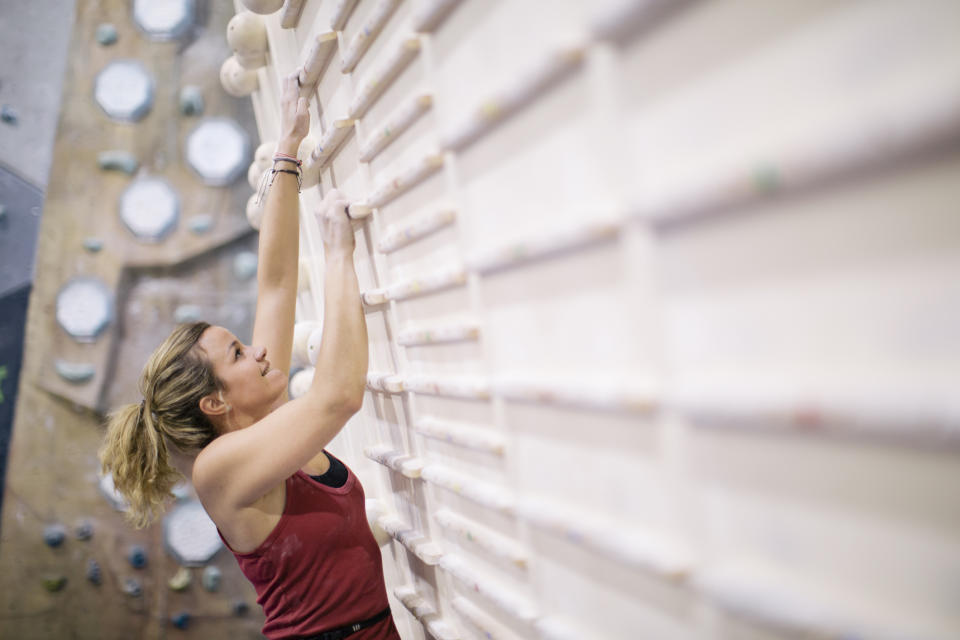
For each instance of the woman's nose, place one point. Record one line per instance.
(261, 353)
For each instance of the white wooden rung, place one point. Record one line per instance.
(493, 543)
(384, 75)
(403, 463)
(443, 278)
(385, 382)
(643, 549)
(415, 542)
(292, 9)
(400, 235)
(634, 394)
(464, 331)
(432, 13)
(513, 98)
(424, 612)
(395, 186)
(483, 493)
(317, 59)
(469, 388)
(374, 297)
(397, 122)
(332, 138)
(341, 13)
(460, 435)
(367, 34)
(508, 599)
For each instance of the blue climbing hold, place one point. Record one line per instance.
(106, 34)
(54, 534)
(93, 571)
(9, 115)
(180, 620)
(137, 557)
(83, 531)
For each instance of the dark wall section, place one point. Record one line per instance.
(13, 320)
(20, 206)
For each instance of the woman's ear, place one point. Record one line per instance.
(213, 404)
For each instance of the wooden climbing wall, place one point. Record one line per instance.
(53, 471)
(662, 305)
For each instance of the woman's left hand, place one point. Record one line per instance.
(294, 117)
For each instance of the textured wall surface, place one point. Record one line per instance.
(663, 308)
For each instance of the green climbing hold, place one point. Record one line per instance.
(118, 161)
(200, 224)
(106, 34)
(54, 582)
(75, 372)
(93, 245)
(191, 101)
(766, 178)
(211, 578)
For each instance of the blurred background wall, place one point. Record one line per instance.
(662, 302)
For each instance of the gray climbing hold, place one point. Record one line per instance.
(118, 161)
(137, 557)
(106, 34)
(149, 207)
(131, 587)
(180, 620)
(191, 101)
(240, 607)
(75, 372)
(181, 491)
(54, 535)
(52, 582)
(93, 572)
(124, 90)
(180, 580)
(83, 530)
(93, 245)
(9, 115)
(84, 308)
(164, 19)
(245, 265)
(190, 535)
(187, 313)
(218, 150)
(201, 224)
(110, 492)
(211, 578)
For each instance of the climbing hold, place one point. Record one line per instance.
(118, 161)
(218, 150)
(201, 223)
(84, 308)
(247, 36)
(211, 578)
(9, 115)
(3, 212)
(164, 20)
(150, 207)
(83, 530)
(187, 313)
(54, 534)
(124, 90)
(131, 587)
(240, 608)
(54, 582)
(236, 80)
(180, 620)
(191, 101)
(137, 557)
(106, 34)
(93, 571)
(263, 7)
(75, 372)
(93, 245)
(181, 490)
(245, 265)
(180, 580)
(254, 211)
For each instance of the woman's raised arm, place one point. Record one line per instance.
(280, 235)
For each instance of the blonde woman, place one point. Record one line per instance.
(292, 514)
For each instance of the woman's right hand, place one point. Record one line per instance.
(336, 230)
(294, 117)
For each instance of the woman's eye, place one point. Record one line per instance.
(238, 354)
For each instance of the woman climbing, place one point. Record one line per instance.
(292, 514)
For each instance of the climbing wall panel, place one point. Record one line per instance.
(662, 308)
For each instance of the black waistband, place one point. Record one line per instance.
(349, 629)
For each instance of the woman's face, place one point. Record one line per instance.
(252, 386)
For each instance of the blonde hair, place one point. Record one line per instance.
(135, 451)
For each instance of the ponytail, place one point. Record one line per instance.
(135, 449)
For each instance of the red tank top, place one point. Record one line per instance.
(320, 568)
